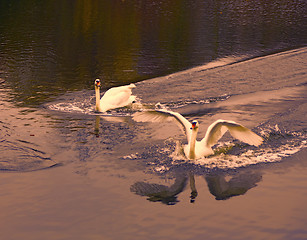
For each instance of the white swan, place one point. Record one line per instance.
(199, 149)
(115, 97)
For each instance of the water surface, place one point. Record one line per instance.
(69, 173)
(50, 47)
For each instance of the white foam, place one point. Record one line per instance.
(67, 107)
(250, 157)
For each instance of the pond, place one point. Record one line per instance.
(70, 173)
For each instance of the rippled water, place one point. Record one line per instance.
(50, 47)
(69, 173)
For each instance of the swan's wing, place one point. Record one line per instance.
(121, 99)
(162, 116)
(117, 97)
(118, 90)
(217, 129)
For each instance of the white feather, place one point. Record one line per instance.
(115, 97)
(198, 149)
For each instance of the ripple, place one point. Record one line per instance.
(17, 156)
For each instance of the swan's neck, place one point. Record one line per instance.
(192, 143)
(97, 107)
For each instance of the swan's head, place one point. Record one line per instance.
(195, 125)
(97, 83)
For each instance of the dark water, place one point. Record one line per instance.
(50, 47)
(68, 173)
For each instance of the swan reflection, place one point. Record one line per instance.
(97, 123)
(221, 185)
(161, 193)
(237, 185)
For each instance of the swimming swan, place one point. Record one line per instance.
(115, 97)
(199, 149)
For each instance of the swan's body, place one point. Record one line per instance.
(199, 149)
(115, 97)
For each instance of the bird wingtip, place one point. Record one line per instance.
(259, 141)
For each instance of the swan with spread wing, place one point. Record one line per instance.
(199, 149)
(115, 97)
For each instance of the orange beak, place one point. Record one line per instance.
(193, 125)
(97, 83)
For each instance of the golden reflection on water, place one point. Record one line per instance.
(23, 137)
(50, 47)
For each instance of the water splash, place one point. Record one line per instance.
(278, 145)
(83, 102)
